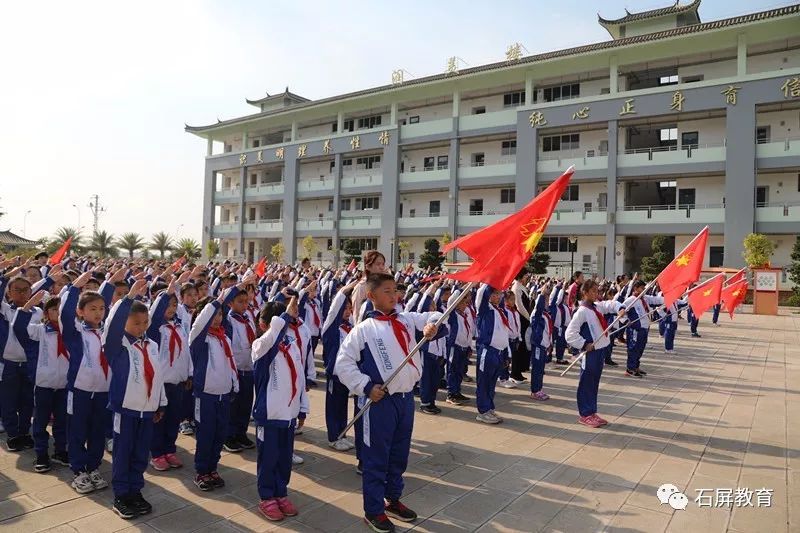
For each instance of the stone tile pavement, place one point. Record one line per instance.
(714, 415)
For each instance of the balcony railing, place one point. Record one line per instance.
(571, 154)
(778, 147)
(274, 187)
(325, 223)
(698, 213)
(778, 212)
(360, 222)
(425, 220)
(687, 153)
(315, 184)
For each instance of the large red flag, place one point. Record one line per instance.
(684, 269)
(739, 276)
(499, 251)
(733, 295)
(261, 267)
(179, 263)
(57, 257)
(352, 266)
(706, 295)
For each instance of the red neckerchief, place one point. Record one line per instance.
(252, 308)
(251, 335)
(516, 321)
(174, 341)
(464, 318)
(219, 334)
(644, 303)
(149, 372)
(400, 333)
(61, 348)
(549, 323)
(598, 314)
(284, 349)
(316, 315)
(503, 317)
(346, 327)
(103, 360)
(295, 326)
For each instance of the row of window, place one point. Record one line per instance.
(362, 123)
(361, 203)
(556, 143)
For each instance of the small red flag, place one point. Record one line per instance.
(179, 263)
(352, 266)
(684, 269)
(706, 295)
(739, 276)
(499, 251)
(57, 257)
(733, 295)
(261, 267)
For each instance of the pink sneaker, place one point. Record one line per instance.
(589, 421)
(601, 421)
(541, 396)
(173, 460)
(287, 507)
(159, 463)
(271, 510)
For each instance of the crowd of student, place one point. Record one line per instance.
(125, 355)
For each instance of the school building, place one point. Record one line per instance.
(672, 124)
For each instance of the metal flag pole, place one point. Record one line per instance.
(408, 357)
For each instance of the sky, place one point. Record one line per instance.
(94, 95)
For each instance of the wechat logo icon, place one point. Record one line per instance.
(670, 494)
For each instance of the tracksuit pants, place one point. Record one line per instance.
(86, 428)
(387, 440)
(504, 372)
(242, 405)
(520, 359)
(274, 446)
(16, 399)
(669, 334)
(589, 381)
(662, 326)
(491, 361)
(47, 403)
(165, 432)
(358, 403)
(212, 413)
(429, 381)
(133, 434)
(693, 321)
(637, 341)
(455, 369)
(336, 396)
(538, 361)
(715, 318)
(560, 343)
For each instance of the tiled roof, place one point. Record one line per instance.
(604, 45)
(671, 10)
(285, 94)
(11, 239)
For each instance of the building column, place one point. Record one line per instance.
(340, 122)
(741, 54)
(393, 114)
(242, 209)
(209, 188)
(527, 155)
(209, 146)
(337, 204)
(390, 168)
(740, 178)
(294, 130)
(529, 89)
(244, 140)
(613, 75)
(611, 201)
(456, 104)
(452, 192)
(289, 218)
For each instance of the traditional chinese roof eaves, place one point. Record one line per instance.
(595, 47)
(653, 13)
(7, 238)
(271, 98)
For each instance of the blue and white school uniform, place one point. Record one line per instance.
(432, 353)
(637, 332)
(242, 332)
(459, 343)
(493, 331)
(539, 340)
(670, 323)
(334, 331)
(561, 315)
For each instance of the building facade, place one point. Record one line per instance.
(672, 125)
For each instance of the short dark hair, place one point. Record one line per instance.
(19, 279)
(138, 307)
(40, 255)
(576, 275)
(271, 309)
(377, 279)
(51, 303)
(200, 306)
(587, 286)
(639, 283)
(88, 297)
(186, 288)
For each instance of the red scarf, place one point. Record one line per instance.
(103, 360)
(294, 325)
(503, 317)
(149, 372)
(219, 334)
(599, 315)
(466, 323)
(174, 342)
(644, 303)
(61, 349)
(549, 323)
(400, 333)
(251, 335)
(346, 327)
(284, 348)
(316, 316)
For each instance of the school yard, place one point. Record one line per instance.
(714, 416)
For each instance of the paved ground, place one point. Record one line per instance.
(715, 415)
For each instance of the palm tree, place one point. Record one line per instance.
(103, 244)
(130, 242)
(212, 249)
(188, 247)
(162, 242)
(62, 234)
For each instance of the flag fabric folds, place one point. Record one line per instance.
(733, 295)
(739, 276)
(352, 266)
(500, 250)
(684, 269)
(57, 257)
(179, 263)
(706, 295)
(261, 267)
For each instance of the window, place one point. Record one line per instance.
(252, 213)
(479, 110)
(348, 125)
(686, 198)
(762, 196)
(570, 194)
(434, 208)
(762, 134)
(508, 148)
(477, 159)
(562, 92)
(253, 180)
(689, 138)
(556, 244)
(672, 79)
(401, 210)
(476, 206)
(334, 127)
(364, 243)
(330, 244)
(373, 161)
(668, 136)
(347, 162)
(256, 143)
(441, 162)
(715, 256)
(369, 122)
(508, 196)
(367, 203)
(798, 182)
(693, 79)
(345, 204)
(513, 99)
(428, 163)
(413, 120)
(412, 213)
(330, 205)
(555, 143)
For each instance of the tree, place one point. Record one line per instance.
(103, 244)
(130, 242)
(757, 250)
(404, 248)
(277, 252)
(352, 249)
(538, 263)
(161, 242)
(661, 256)
(186, 247)
(62, 234)
(212, 249)
(310, 247)
(431, 256)
(447, 239)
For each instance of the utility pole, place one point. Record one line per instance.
(96, 208)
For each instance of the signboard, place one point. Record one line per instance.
(766, 281)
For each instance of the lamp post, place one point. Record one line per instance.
(25, 223)
(573, 240)
(78, 209)
(391, 248)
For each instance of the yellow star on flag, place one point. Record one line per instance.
(737, 292)
(683, 260)
(708, 292)
(532, 232)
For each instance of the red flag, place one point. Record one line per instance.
(179, 263)
(684, 269)
(499, 251)
(739, 276)
(733, 295)
(57, 257)
(352, 266)
(706, 295)
(261, 267)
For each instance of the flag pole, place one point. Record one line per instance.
(408, 357)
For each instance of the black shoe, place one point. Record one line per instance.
(611, 363)
(123, 507)
(141, 505)
(430, 409)
(27, 442)
(246, 443)
(453, 399)
(461, 397)
(633, 373)
(232, 445)
(640, 371)
(395, 509)
(379, 523)
(696, 335)
(311, 383)
(442, 384)
(562, 362)
(42, 464)
(204, 482)
(216, 480)
(14, 444)
(60, 458)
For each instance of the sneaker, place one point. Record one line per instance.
(160, 463)
(232, 445)
(27, 442)
(42, 464)
(642, 372)
(611, 363)
(246, 443)
(124, 508)
(453, 399)
(634, 373)
(430, 409)
(590, 421)
(349, 442)
(669, 351)
(82, 483)
(518, 381)
(467, 379)
(298, 431)
(14, 444)
(487, 418)
(173, 460)
(397, 510)
(186, 428)
(139, 504)
(461, 397)
(601, 421)
(110, 445)
(506, 383)
(60, 458)
(696, 335)
(271, 510)
(297, 460)
(287, 507)
(379, 523)
(541, 396)
(216, 480)
(97, 480)
(204, 482)
(359, 470)
(340, 445)
(562, 362)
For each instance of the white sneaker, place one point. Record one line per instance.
(349, 442)
(487, 418)
(340, 445)
(518, 381)
(297, 460)
(298, 431)
(110, 445)
(494, 414)
(97, 480)
(82, 483)
(507, 384)
(186, 428)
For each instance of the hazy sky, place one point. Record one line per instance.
(94, 95)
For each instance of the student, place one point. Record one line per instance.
(459, 344)
(512, 315)
(136, 397)
(561, 314)
(639, 325)
(48, 362)
(669, 324)
(492, 350)
(520, 357)
(281, 404)
(539, 342)
(715, 316)
(242, 332)
(431, 350)
(372, 351)
(586, 332)
(693, 320)
(610, 294)
(188, 302)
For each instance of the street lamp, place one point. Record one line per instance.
(393, 262)
(78, 209)
(25, 223)
(177, 231)
(573, 240)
